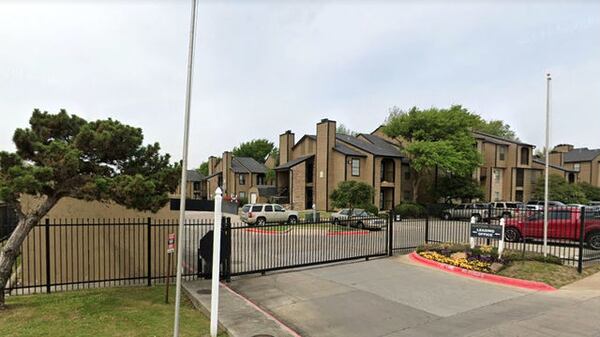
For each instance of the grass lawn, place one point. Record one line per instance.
(131, 311)
(552, 274)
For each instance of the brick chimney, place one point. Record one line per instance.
(228, 182)
(326, 134)
(557, 155)
(212, 162)
(286, 142)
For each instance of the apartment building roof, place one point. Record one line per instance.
(496, 139)
(542, 161)
(193, 175)
(247, 165)
(313, 137)
(294, 162)
(343, 149)
(375, 145)
(581, 154)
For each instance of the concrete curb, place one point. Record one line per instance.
(507, 281)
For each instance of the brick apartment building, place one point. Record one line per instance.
(311, 168)
(237, 176)
(583, 162)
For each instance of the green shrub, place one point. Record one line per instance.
(371, 209)
(517, 255)
(443, 247)
(410, 210)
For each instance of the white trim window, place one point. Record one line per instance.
(355, 167)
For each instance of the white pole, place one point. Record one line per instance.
(471, 238)
(182, 186)
(501, 243)
(216, 264)
(547, 170)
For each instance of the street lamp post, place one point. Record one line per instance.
(547, 170)
(186, 131)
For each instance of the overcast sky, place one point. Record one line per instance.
(264, 67)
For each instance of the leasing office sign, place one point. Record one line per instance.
(486, 231)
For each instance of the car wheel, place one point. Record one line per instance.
(446, 216)
(512, 234)
(360, 225)
(477, 217)
(336, 222)
(506, 215)
(593, 240)
(261, 221)
(292, 220)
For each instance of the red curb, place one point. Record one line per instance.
(508, 281)
(266, 231)
(348, 233)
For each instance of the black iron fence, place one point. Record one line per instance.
(573, 233)
(8, 221)
(78, 253)
(74, 254)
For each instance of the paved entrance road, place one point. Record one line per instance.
(389, 297)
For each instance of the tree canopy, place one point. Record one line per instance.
(352, 194)
(62, 155)
(435, 137)
(203, 168)
(257, 149)
(342, 129)
(458, 187)
(560, 190)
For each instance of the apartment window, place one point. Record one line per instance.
(242, 195)
(260, 179)
(242, 179)
(497, 176)
(502, 152)
(355, 167)
(496, 196)
(520, 177)
(524, 156)
(196, 185)
(577, 167)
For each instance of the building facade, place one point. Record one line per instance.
(584, 162)
(238, 177)
(311, 168)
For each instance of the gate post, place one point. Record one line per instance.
(226, 249)
(390, 232)
(149, 250)
(427, 227)
(47, 234)
(581, 240)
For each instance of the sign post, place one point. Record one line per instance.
(170, 251)
(216, 264)
(488, 231)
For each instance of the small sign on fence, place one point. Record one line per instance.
(171, 243)
(486, 231)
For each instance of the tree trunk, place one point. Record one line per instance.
(416, 184)
(10, 251)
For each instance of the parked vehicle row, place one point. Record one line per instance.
(262, 214)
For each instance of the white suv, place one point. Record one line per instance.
(261, 214)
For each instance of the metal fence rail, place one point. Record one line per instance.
(78, 253)
(277, 246)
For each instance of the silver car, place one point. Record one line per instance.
(360, 219)
(465, 211)
(261, 214)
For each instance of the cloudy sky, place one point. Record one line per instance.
(264, 67)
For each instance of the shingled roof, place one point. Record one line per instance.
(247, 165)
(375, 145)
(582, 154)
(293, 162)
(193, 175)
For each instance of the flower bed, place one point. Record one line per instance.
(482, 258)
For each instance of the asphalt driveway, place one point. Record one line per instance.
(390, 297)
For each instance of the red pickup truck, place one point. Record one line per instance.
(563, 224)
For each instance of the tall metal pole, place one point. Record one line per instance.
(216, 265)
(547, 171)
(182, 186)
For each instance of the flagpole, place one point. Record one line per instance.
(547, 171)
(182, 186)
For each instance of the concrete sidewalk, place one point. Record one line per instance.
(389, 297)
(237, 316)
